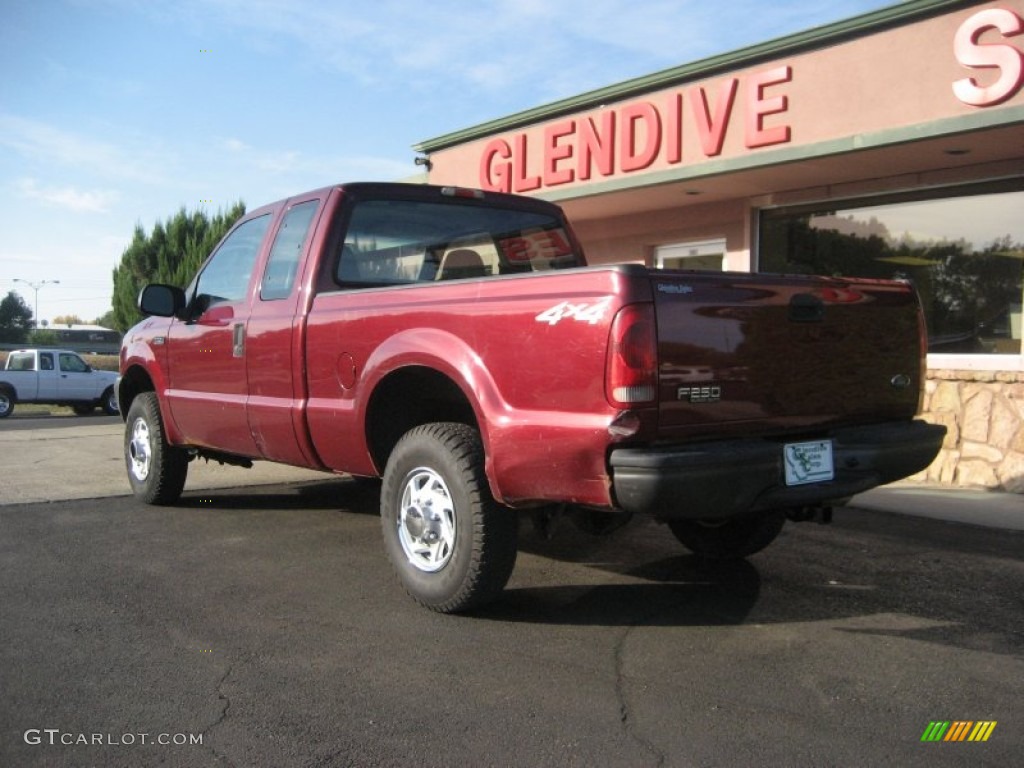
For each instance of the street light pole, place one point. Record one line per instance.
(35, 286)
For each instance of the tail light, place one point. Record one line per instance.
(632, 372)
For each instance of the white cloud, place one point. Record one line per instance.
(235, 145)
(548, 48)
(42, 143)
(92, 201)
(302, 168)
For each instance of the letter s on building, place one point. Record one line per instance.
(973, 54)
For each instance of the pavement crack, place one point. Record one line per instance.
(626, 715)
(225, 701)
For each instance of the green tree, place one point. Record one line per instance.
(15, 319)
(106, 319)
(43, 337)
(172, 253)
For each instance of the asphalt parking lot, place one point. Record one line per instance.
(262, 626)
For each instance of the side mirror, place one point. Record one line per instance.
(161, 300)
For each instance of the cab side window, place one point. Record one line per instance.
(283, 262)
(45, 361)
(226, 275)
(72, 363)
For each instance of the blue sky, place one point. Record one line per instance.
(115, 112)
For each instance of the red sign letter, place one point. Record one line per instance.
(523, 183)
(496, 177)
(712, 129)
(631, 116)
(674, 129)
(599, 145)
(759, 107)
(974, 54)
(553, 152)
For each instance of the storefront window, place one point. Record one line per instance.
(963, 252)
(700, 254)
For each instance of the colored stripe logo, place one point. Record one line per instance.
(958, 730)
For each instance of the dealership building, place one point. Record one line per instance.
(889, 145)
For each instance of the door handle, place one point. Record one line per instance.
(238, 340)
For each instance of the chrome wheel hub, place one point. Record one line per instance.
(426, 520)
(140, 451)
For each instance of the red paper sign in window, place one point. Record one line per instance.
(546, 244)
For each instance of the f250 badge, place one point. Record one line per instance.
(708, 394)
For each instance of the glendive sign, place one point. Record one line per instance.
(631, 136)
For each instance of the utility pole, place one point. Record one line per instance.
(35, 286)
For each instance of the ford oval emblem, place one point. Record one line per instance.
(900, 381)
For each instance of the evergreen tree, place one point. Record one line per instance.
(106, 319)
(15, 319)
(172, 253)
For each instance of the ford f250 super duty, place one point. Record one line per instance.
(455, 344)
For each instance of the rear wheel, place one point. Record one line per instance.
(156, 469)
(729, 539)
(452, 546)
(109, 402)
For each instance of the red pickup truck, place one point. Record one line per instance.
(455, 344)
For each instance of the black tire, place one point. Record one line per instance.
(460, 555)
(156, 470)
(83, 410)
(6, 402)
(108, 402)
(729, 539)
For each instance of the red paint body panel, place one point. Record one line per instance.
(537, 388)
(767, 367)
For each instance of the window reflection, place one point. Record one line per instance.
(964, 254)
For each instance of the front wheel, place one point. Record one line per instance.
(6, 403)
(156, 469)
(451, 544)
(729, 539)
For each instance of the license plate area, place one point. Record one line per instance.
(808, 462)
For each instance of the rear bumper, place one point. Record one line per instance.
(729, 478)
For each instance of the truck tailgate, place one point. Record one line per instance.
(767, 354)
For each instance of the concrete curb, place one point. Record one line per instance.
(986, 508)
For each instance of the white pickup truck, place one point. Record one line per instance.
(55, 377)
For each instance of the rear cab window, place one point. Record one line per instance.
(401, 242)
(22, 361)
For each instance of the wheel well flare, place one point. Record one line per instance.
(407, 398)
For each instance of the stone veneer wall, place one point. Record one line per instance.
(983, 412)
